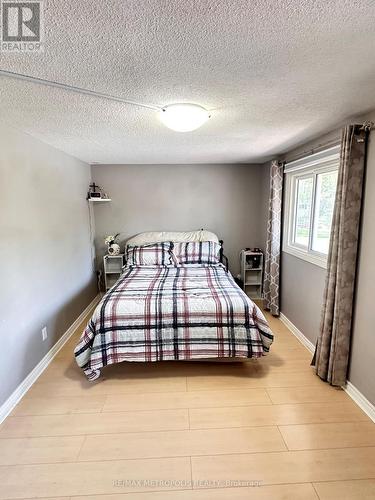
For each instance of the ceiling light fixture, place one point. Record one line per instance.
(181, 117)
(184, 117)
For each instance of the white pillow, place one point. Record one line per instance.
(175, 236)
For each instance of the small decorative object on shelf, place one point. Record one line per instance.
(113, 247)
(252, 272)
(96, 193)
(112, 269)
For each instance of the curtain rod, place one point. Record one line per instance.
(367, 125)
(316, 149)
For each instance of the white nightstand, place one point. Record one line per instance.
(112, 269)
(252, 273)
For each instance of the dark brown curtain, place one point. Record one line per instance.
(333, 344)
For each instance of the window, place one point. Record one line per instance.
(310, 196)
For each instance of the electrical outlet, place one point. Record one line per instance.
(44, 333)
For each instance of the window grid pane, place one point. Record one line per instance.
(324, 204)
(304, 198)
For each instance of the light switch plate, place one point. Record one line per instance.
(44, 333)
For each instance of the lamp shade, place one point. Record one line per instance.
(184, 117)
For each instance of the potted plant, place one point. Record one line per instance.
(113, 247)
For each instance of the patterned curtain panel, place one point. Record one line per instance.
(333, 344)
(272, 261)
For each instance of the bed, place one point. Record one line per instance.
(173, 306)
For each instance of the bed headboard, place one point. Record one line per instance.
(175, 236)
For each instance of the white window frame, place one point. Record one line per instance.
(311, 166)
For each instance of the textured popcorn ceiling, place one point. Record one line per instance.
(274, 73)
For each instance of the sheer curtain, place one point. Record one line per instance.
(272, 260)
(333, 344)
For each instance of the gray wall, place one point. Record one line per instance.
(45, 255)
(226, 199)
(362, 361)
(302, 284)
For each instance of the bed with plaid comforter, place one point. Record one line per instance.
(172, 313)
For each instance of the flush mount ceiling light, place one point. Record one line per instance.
(184, 117)
(181, 117)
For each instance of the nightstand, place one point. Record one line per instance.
(252, 273)
(112, 269)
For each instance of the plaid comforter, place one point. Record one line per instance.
(172, 313)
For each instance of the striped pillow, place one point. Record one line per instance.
(196, 252)
(155, 254)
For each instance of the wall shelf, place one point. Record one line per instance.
(99, 200)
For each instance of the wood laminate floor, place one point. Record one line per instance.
(262, 430)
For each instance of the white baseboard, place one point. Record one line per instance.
(349, 388)
(360, 400)
(297, 333)
(25, 385)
